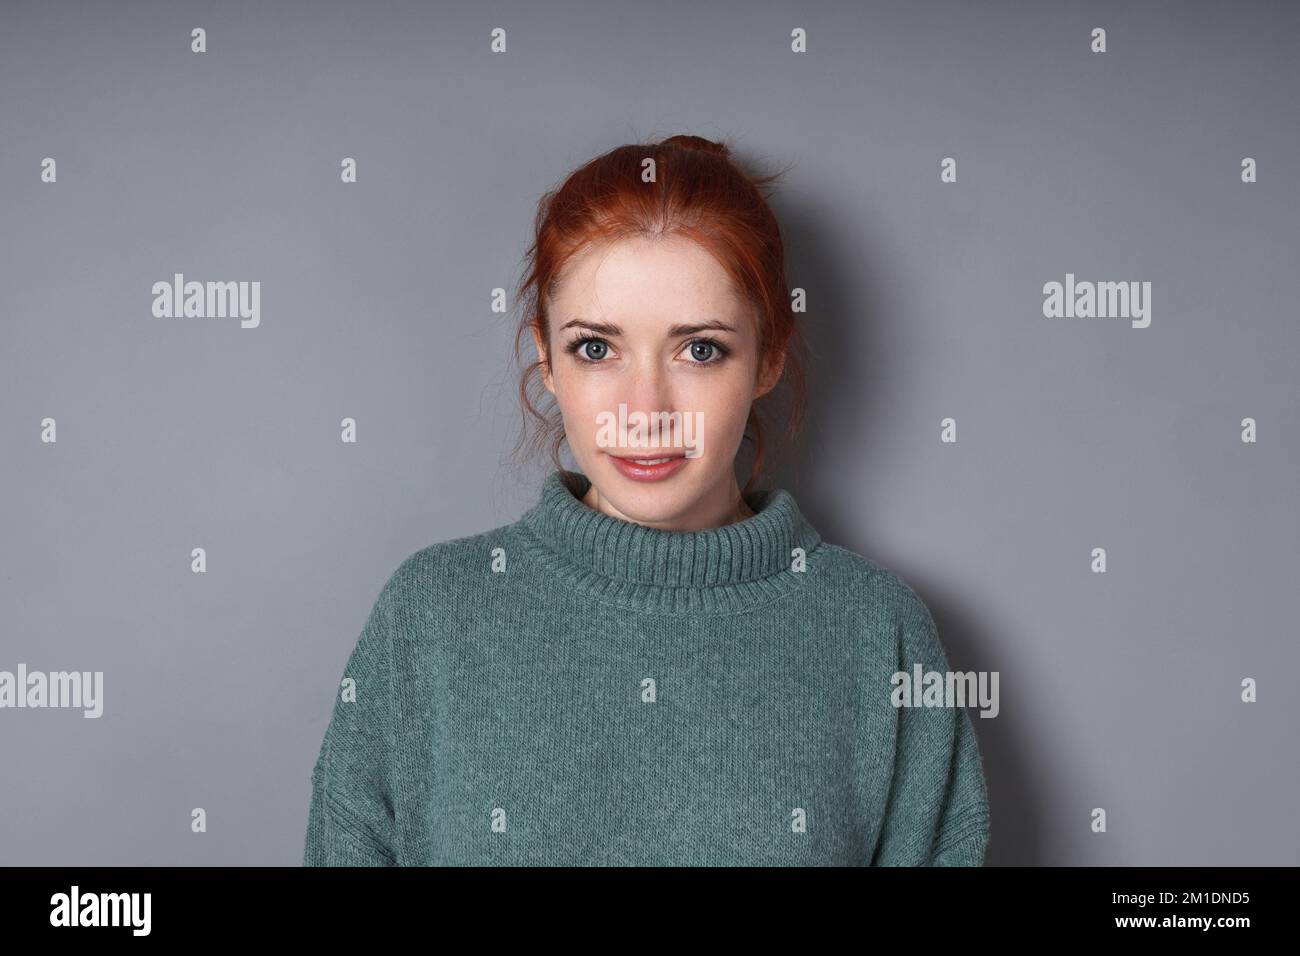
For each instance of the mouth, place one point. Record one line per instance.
(649, 468)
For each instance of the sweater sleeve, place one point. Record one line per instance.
(937, 812)
(351, 817)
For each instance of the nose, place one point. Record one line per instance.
(649, 389)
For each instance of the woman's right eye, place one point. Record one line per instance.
(589, 349)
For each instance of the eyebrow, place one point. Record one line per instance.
(605, 328)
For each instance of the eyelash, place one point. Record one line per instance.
(576, 345)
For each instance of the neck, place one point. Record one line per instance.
(732, 568)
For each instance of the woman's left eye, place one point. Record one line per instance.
(706, 352)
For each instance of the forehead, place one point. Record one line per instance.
(645, 278)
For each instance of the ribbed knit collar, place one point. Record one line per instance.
(729, 567)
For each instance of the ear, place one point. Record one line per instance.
(542, 357)
(770, 375)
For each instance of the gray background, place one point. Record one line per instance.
(1118, 690)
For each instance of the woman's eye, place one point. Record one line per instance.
(594, 351)
(707, 353)
(702, 351)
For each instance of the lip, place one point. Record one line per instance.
(630, 469)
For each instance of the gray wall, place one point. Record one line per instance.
(1118, 690)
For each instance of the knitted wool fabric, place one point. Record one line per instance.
(576, 689)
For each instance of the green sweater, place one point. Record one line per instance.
(575, 689)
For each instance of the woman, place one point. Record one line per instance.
(650, 666)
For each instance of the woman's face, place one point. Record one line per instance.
(655, 326)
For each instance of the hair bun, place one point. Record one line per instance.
(696, 142)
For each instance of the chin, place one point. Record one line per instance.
(647, 500)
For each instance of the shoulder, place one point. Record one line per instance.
(442, 567)
(881, 603)
(871, 587)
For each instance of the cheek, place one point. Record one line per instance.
(581, 398)
(725, 403)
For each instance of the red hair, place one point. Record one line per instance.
(699, 193)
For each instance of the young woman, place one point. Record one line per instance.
(651, 666)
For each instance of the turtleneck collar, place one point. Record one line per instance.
(726, 567)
